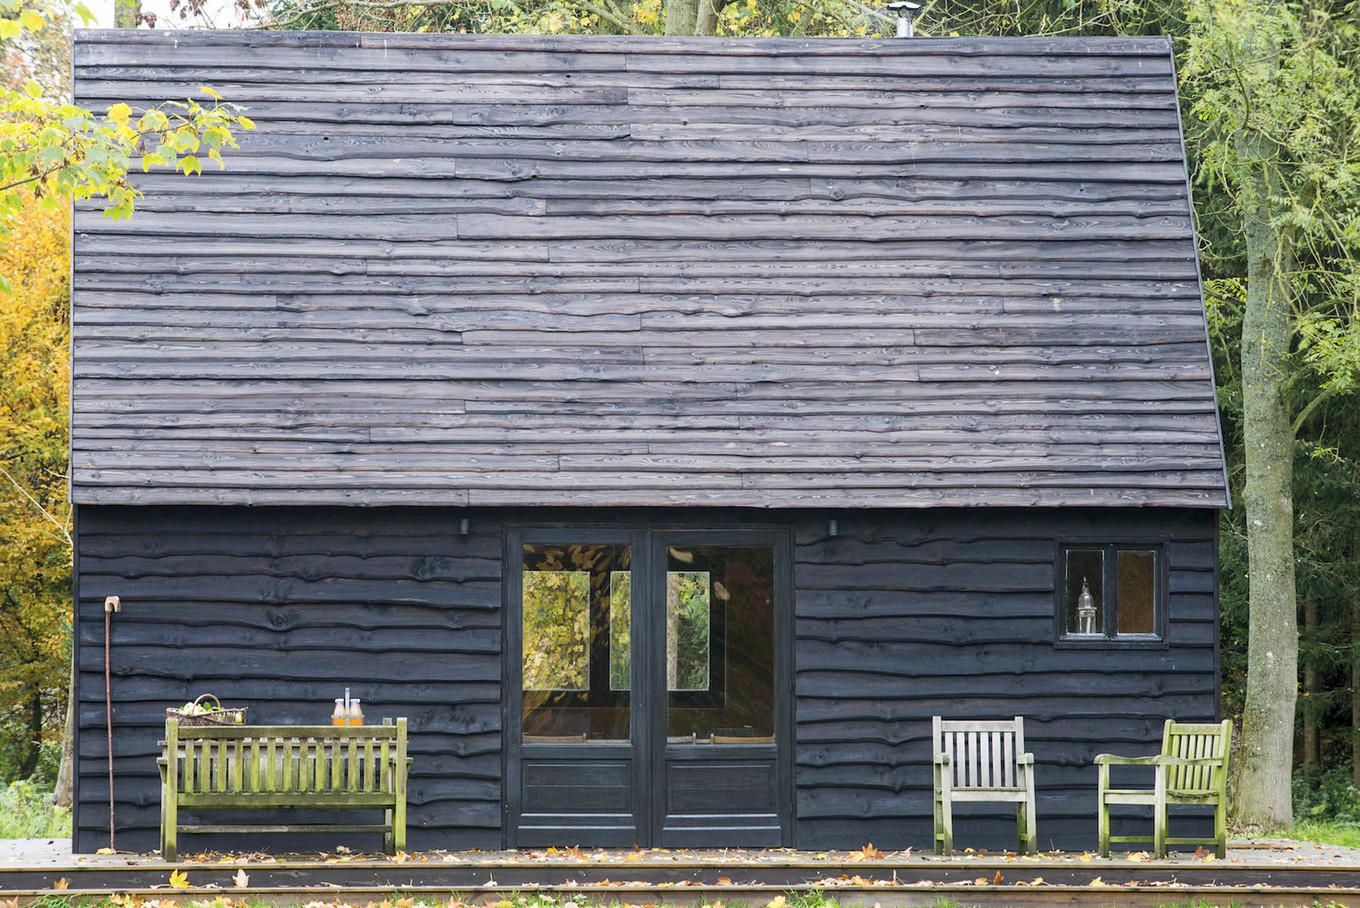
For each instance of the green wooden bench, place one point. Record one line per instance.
(269, 767)
(1191, 769)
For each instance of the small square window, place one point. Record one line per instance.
(1110, 592)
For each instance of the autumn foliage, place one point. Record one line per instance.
(35, 550)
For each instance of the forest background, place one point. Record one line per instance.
(1271, 105)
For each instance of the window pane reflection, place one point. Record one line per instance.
(1137, 579)
(721, 668)
(620, 630)
(1085, 566)
(575, 633)
(556, 630)
(688, 640)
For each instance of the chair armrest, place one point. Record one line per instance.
(1186, 761)
(1116, 760)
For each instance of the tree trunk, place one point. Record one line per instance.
(682, 17)
(1272, 641)
(707, 23)
(1310, 687)
(62, 796)
(28, 764)
(1355, 682)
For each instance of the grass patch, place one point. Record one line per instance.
(27, 812)
(1324, 832)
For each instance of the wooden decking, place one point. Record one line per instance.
(1251, 876)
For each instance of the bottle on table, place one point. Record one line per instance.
(356, 715)
(338, 717)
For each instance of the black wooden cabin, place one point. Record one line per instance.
(668, 428)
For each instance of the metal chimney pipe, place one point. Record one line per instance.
(906, 16)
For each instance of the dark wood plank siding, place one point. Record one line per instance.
(281, 610)
(903, 615)
(518, 270)
(951, 613)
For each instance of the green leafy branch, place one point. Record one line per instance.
(55, 151)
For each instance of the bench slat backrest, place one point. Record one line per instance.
(286, 759)
(982, 754)
(1190, 741)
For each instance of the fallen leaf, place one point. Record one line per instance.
(724, 881)
(1086, 856)
(400, 857)
(870, 853)
(1138, 856)
(62, 883)
(241, 880)
(179, 880)
(342, 849)
(405, 903)
(996, 881)
(1098, 882)
(106, 850)
(776, 902)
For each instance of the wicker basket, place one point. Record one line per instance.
(234, 715)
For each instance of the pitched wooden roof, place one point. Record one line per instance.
(611, 271)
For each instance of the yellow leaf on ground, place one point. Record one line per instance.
(241, 879)
(106, 851)
(180, 880)
(1138, 856)
(62, 883)
(1098, 882)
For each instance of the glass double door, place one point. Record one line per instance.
(647, 679)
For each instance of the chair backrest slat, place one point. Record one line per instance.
(981, 754)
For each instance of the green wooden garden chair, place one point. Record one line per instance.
(1191, 769)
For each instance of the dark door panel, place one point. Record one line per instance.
(648, 688)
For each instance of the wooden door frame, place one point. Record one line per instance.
(780, 539)
(646, 718)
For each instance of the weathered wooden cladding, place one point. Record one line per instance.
(748, 273)
(899, 616)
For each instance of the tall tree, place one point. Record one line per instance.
(1277, 109)
(35, 569)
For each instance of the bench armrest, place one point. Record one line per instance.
(943, 759)
(1024, 760)
(1116, 760)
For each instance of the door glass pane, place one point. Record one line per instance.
(556, 630)
(1085, 569)
(620, 630)
(720, 644)
(688, 631)
(575, 613)
(1137, 573)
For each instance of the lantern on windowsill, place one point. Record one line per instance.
(1086, 610)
